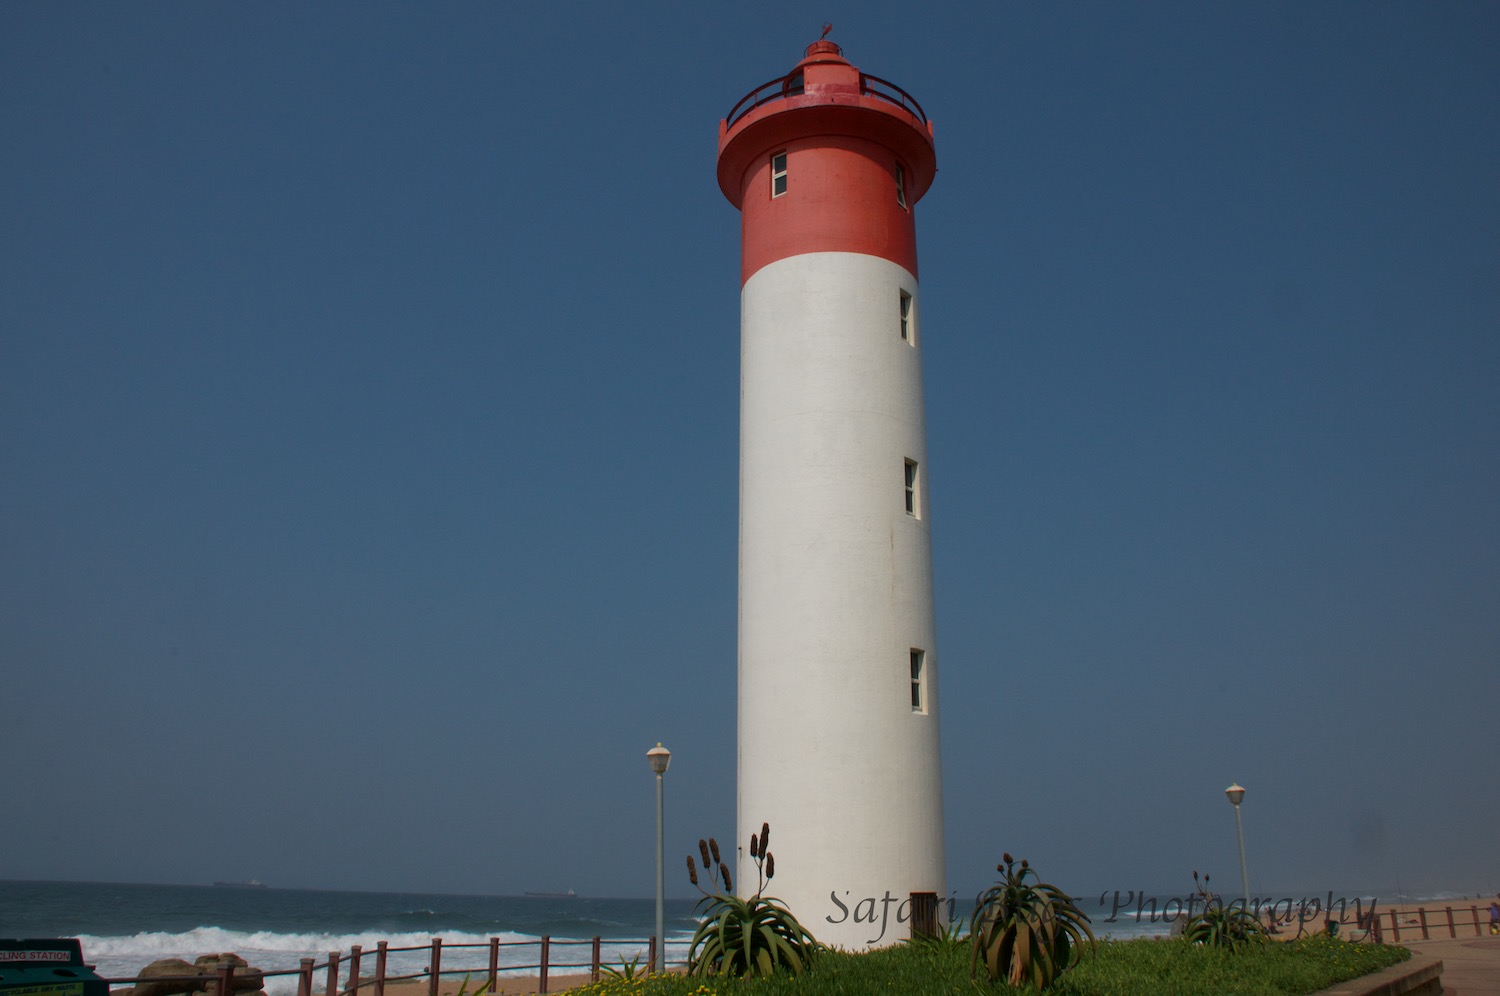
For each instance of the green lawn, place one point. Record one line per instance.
(1115, 968)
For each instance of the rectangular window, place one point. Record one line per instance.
(907, 335)
(901, 186)
(778, 174)
(912, 508)
(918, 678)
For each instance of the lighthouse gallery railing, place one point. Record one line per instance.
(791, 86)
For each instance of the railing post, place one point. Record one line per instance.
(1451, 931)
(354, 970)
(546, 946)
(494, 962)
(333, 973)
(1475, 911)
(304, 977)
(226, 977)
(380, 953)
(594, 962)
(435, 966)
(651, 956)
(1395, 927)
(1422, 916)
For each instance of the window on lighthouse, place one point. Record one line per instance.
(907, 332)
(778, 174)
(901, 186)
(912, 508)
(918, 659)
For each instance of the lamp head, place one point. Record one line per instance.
(659, 757)
(1235, 792)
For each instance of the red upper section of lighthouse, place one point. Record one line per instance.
(854, 154)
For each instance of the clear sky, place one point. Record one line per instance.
(368, 427)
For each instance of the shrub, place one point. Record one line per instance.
(949, 937)
(757, 936)
(1221, 926)
(1027, 933)
(628, 971)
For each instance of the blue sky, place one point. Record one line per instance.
(368, 426)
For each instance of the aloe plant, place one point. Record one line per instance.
(1026, 932)
(628, 971)
(1221, 926)
(754, 936)
(463, 990)
(949, 937)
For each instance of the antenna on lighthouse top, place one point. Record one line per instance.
(827, 27)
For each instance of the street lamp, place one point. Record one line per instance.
(1236, 794)
(659, 757)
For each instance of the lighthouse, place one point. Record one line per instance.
(838, 664)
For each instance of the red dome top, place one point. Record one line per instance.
(824, 95)
(826, 159)
(822, 50)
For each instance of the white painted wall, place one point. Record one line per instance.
(835, 590)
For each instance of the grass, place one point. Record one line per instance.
(1116, 968)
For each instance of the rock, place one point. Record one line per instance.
(167, 967)
(246, 979)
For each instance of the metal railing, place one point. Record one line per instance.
(1416, 922)
(338, 967)
(791, 85)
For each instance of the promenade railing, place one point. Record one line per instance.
(1424, 924)
(342, 975)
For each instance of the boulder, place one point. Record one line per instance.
(246, 979)
(165, 967)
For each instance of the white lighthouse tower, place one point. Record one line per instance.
(838, 667)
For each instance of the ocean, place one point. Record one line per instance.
(123, 928)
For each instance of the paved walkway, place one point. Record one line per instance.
(1471, 966)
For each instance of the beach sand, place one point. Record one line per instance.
(507, 985)
(1463, 913)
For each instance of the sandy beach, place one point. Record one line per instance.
(1399, 922)
(507, 986)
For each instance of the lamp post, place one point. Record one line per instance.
(1236, 794)
(659, 757)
